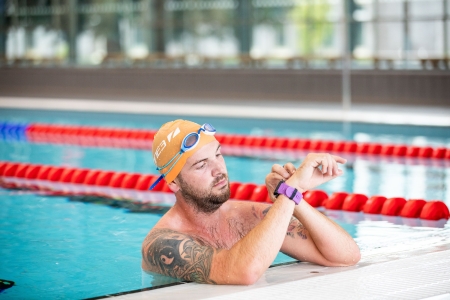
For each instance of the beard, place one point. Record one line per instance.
(205, 201)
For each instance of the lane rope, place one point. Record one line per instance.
(135, 187)
(142, 139)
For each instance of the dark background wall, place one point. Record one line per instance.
(430, 88)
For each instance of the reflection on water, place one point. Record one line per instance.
(129, 206)
(382, 238)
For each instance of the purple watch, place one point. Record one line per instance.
(288, 191)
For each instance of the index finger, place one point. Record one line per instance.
(276, 168)
(339, 159)
(289, 167)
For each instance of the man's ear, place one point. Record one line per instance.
(174, 187)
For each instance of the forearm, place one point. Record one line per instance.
(254, 253)
(331, 240)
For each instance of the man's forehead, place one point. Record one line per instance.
(202, 153)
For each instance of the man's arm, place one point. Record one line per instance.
(315, 238)
(337, 247)
(312, 236)
(179, 255)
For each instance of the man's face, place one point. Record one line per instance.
(203, 181)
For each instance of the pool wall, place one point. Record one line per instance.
(399, 87)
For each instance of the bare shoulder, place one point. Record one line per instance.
(171, 253)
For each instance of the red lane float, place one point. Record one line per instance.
(142, 139)
(134, 187)
(315, 198)
(335, 201)
(374, 205)
(260, 194)
(414, 208)
(79, 182)
(354, 202)
(244, 191)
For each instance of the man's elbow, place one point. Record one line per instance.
(347, 259)
(250, 278)
(352, 258)
(249, 275)
(356, 257)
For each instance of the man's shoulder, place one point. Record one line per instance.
(160, 232)
(164, 232)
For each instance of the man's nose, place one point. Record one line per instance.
(218, 168)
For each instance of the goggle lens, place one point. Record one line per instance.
(209, 127)
(190, 140)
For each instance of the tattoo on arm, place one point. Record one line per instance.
(296, 228)
(178, 255)
(264, 212)
(254, 212)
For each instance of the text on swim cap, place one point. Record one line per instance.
(160, 149)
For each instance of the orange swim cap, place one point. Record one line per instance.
(167, 144)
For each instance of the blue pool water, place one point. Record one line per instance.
(56, 247)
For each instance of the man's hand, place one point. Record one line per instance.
(317, 168)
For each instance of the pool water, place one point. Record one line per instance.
(59, 247)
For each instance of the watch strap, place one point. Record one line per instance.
(288, 191)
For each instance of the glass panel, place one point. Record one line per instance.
(335, 11)
(426, 39)
(363, 41)
(425, 8)
(390, 9)
(448, 39)
(272, 39)
(273, 32)
(390, 40)
(363, 10)
(330, 43)
(35, 34)
(197, 30)
(303, 29)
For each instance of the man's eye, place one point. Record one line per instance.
(201, 166)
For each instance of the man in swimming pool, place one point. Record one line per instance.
(206, 238)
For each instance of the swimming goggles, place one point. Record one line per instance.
(189, 142)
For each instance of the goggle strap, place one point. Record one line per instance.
(156, 182)
(173, 165)
(168, 163)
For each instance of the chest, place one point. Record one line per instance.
(225, 235)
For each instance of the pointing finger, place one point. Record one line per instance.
(339, 159)
(289, 167)
(276, 168)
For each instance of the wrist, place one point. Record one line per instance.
(290, 192)
(293, 183)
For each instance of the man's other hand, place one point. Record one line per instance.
(317, 168)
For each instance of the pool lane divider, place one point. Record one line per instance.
(135, 187)
(142, 139)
